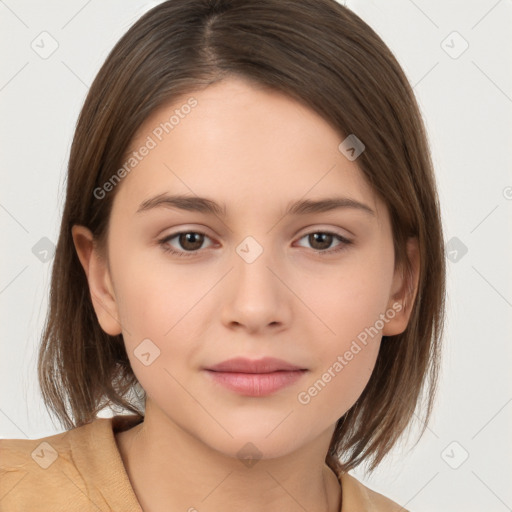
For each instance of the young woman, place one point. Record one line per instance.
(250, 264)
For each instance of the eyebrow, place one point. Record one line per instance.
(208, 206)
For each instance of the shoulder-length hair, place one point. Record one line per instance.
(321, 54)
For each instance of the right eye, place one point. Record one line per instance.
(191, 241)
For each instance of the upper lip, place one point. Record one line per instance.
(244, 365)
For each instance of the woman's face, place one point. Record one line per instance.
(254, 281)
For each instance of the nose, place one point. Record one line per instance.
(256, 297)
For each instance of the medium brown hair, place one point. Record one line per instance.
(321, 54)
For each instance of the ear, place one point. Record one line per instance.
(404, 290)
(99, 279)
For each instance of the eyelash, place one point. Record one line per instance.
(183, 254)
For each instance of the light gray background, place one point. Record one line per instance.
(466, 99)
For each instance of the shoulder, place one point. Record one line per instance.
(51, 473)
(27, 454)
(35, 473)
(357, 497)
(22, 453)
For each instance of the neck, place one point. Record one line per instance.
(170, 469)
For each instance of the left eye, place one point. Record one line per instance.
(325, 238)
(192, 241)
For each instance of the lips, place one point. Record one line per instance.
(260, 366)
(255, 377)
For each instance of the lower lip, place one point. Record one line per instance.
(256, 384)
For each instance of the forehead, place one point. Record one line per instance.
(242, 144)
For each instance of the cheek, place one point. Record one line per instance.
(156, 309)
(160, 308)
(336, 387)
(346, 353)
(152, 295)
(351, 305)
(348, 298)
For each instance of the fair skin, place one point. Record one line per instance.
(255, 152)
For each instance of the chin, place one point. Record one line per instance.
(254, 445)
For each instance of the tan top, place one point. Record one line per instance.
(82, 470)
